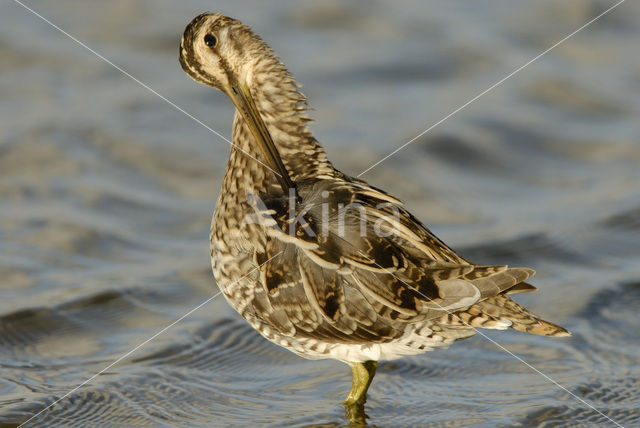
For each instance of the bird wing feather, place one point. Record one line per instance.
(363, 268)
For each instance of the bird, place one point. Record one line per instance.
(319, 262)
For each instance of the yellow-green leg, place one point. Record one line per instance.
(362, 375)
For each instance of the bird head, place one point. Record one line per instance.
(225, 54)
(213, 51)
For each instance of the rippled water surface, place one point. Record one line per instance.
(106, 192)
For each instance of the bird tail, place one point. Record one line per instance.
(502, 307)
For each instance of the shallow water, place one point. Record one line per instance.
(106, 192)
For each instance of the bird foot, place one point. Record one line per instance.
(355, 413)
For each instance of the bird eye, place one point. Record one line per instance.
(210, 40)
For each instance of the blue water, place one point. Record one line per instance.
(106, 193)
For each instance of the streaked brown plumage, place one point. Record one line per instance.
(358, 285)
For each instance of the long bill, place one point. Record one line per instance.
(241, 97)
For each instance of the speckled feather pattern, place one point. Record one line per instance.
(337, 292)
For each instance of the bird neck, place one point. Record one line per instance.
(283, 109)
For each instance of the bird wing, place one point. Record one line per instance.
(360, 262)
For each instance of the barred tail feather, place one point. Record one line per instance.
(542, 328)
(502, 307)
